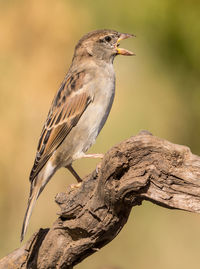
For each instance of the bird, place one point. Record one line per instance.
(78, 111)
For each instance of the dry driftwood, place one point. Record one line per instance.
(143, 167)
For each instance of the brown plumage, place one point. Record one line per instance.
(78, 111)
(63, 116)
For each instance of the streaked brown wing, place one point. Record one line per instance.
(64, 114)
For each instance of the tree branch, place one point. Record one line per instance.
(143, 167)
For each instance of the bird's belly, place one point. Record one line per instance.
(91, 124)
(84, 134)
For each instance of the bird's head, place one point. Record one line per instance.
(102, 44)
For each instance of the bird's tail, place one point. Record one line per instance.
(37, 186)
(34, 194)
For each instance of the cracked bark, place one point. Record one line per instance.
(143, 167)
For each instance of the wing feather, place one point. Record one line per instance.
(64, 114)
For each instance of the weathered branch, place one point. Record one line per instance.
(143, 167)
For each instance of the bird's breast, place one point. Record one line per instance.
(96, 114)
(102, 88)
(103, 101)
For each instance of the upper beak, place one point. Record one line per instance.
(122, 51)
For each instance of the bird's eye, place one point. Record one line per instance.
(108, 38)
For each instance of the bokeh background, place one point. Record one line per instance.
(158, 90)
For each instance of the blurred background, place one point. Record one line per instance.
(158, 90)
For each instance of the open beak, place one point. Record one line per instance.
(122, 51)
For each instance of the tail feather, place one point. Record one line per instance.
(34, 194)
(37, 186)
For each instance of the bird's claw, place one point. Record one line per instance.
(75, 186)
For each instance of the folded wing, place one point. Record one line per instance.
(68, 106)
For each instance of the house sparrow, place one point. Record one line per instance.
(78, 111)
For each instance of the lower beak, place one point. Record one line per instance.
(122, 51)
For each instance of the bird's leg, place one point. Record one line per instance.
(98, 155)
(71, 169)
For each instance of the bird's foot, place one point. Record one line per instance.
(97, 155)
(98, 167)
(76, 186)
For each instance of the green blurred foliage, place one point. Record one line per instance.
(157, 90)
